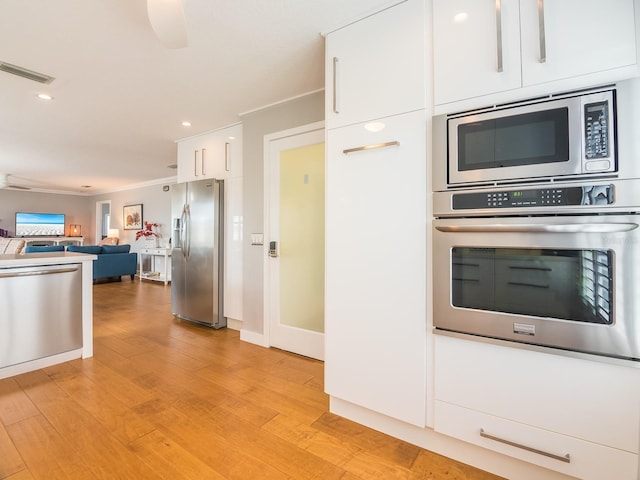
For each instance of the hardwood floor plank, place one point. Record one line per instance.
(46, 454)
(11, 462)
(170, 459)
(14, 404)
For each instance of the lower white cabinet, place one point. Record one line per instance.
(575, 416)
(375, 284)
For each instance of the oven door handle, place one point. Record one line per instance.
(541, 228)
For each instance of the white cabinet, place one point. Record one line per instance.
(540, 407)
(200, 157)
(231, 137)
(376, 67)
(233, 211)
(216, 154)
(487, 47)
(375, 297)
(233, 248)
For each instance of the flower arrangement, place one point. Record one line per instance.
(148, 231)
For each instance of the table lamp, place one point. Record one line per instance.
(114, 235)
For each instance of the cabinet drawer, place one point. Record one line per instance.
(586, 460)
(552, 392)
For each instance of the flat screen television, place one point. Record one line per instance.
(39, 224)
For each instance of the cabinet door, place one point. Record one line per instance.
(469, 38)
(202, 157)
(376, 67)
(232, 139)
(578, 37)
(233, 248)
(188, 158)
(375, 298)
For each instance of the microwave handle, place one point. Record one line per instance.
(499, 34)
(560, 228)
(543, 40)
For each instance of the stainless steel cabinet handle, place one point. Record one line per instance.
(562, 228)
(30, 273)
(563, 458)
(226, 156)
(336, 108)
(543, 40)
(371, 147)
(195, 162)
(499, 34)
(202, 161)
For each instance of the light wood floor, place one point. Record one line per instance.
(164, 399)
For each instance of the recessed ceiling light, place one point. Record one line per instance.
(231, 138)
(186, 124)
(45, 96)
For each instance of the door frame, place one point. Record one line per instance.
(266, 270)
(98, 224)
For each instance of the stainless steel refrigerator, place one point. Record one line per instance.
(197, 252)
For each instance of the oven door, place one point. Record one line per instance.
(566, 282)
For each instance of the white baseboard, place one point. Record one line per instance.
(253, 337)
(234, 324)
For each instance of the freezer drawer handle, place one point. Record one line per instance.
(560, 228)
(371, 147)
(563, 458)
(37, 272)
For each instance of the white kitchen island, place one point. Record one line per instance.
(46, 310)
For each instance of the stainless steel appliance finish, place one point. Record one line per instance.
(568, 282)
(563, 137)
(50, 324)
(197, 254)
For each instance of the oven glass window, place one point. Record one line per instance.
(572, 285)
(526, 139)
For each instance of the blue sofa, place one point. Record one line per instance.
(112, 261)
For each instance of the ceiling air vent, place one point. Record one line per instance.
(23, 72)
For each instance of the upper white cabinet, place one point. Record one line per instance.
(376, 66)
(486, 47)
(216, 154)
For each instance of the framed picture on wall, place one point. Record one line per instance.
(132, 217)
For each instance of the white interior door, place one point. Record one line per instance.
(295, 267)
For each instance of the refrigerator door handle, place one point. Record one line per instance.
(186, 251)
(183, 243)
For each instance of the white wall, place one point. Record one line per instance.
(293, 113)
(156, 208)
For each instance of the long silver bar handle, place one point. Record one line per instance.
(371, 147)
(37, 272)
(499, 34)
(183, 240)
(543, 40)
(202, 161)
(560, 228)
(563, 458)
(336, 104)
(195, 162)
(226, 156)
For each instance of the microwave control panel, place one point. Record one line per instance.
(596, 130)
(586, 195)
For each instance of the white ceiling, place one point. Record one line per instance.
(120, 96)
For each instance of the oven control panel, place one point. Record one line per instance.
(585, 195)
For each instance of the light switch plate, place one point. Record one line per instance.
(257, 239)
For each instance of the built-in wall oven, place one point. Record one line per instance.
(552, 262)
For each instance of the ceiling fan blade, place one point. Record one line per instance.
(167, 20)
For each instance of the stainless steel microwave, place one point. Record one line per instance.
(558, 136)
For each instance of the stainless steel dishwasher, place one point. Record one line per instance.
(40, 312)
